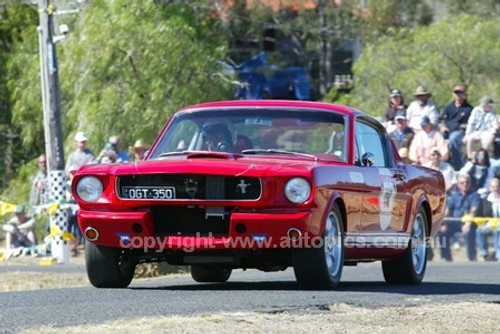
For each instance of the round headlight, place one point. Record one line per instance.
(89, 188)
(297, 190)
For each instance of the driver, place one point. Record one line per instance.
(218, 135)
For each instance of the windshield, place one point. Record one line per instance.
(247, 130)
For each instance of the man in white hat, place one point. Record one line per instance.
(82, 155)
(422, 106)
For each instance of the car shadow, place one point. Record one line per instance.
(430, 288)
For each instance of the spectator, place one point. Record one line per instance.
(40, 185)
(20, 230)
(139, 150)
(478, 171)
(395, 104)
(420, 147)
(421, 107)
(107, 155)
(491, 208)
(402, 136)
(403, 154)
(437, 163)
(72, 211)
(455, 117)
(82, 155)
(116, 142)
(482, 126)
(461, 202)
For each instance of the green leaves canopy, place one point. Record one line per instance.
(461, 50)
(125, 67)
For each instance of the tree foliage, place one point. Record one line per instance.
(124, 68)
(463, 50)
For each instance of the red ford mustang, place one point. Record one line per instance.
(265, 185)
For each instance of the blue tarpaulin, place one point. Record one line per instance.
(280, 83)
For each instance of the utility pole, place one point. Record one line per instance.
(325, 52)
(53, 128)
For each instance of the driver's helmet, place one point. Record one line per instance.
(218, 135)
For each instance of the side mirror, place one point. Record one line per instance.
(368, 159)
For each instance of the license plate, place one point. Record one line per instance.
(148, 192)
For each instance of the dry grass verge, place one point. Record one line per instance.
(32, 280)
(341, 318)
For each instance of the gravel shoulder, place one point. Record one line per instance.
(438, 318)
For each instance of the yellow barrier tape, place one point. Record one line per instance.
(54, 231)
(6, 208)
(492, 221)
(53, 208)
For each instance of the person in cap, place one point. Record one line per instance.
(395, 104)
(82, 155)
(481, 126)
(422, 106)
(19, 230)
(402, 136)
(139, 149)
(458, 203)
(437, 163)
(422, 142)
(455, 117)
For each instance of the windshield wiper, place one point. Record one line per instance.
(276, 151)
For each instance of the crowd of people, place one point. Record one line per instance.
(444, 141)
(458, 143)
(20, 229)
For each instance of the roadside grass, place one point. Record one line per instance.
(340, 318)
(32, 280)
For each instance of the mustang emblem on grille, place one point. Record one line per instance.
(191, 187)
(243, 186)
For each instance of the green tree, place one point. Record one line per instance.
(125, 67)
(462, 50)
(15, 21)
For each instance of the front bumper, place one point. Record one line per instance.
(262, 230)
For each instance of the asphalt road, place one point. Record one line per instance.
(246, 291)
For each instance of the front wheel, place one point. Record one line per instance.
(410, 268)
(320, 267)
(204, 274)
(108, 267)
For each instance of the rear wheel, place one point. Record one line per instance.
(321, 267)
(205, 274)
(108, 267)
(410, 268)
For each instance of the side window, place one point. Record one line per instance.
(368, 139)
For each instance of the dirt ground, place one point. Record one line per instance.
(340, 318)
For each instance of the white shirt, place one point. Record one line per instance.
(415, 112)
(448, 172)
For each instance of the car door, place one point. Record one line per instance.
(384, 203)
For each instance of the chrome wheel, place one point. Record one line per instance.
(418, 244)
(333, 244)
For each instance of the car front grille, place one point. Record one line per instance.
(191, 221)
(197, 187)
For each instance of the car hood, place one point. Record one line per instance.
(250, 166)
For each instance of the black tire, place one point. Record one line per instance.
(106, 267)
(318, 267)
(410, 268)
(205, 274)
